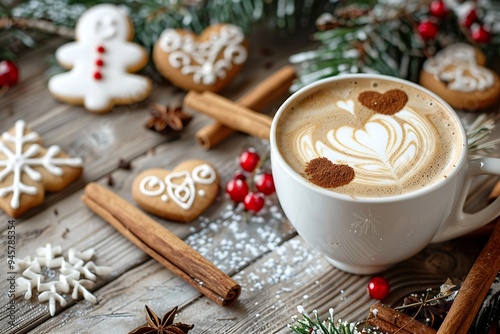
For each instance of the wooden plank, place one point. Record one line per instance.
(75, 226)
(292, 274)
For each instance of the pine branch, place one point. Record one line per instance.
(151, 17)
(306, 325)
(378, 37)
(43, 26)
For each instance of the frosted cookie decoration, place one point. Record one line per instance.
(457, 74)
(181, 194)
(27, 170)
(101, 61)
(205, 62)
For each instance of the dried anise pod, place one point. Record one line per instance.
(164, 325)
(166, 120)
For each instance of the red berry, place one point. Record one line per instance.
(378, 288)
(254, 201)
(99, 62)
(470, 18)
(427, 30)
(265, 183)
(9, 74)
(240, 176)
(237, 189)
(249, 160)
(97, 75)
(101, 49)
(437, 8)
(479, 34)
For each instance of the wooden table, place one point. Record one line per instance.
(275, 267)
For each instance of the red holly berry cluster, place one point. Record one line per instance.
(238, 188)
(428, 28)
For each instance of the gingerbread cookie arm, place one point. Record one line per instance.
(67, 54)
(137, 57)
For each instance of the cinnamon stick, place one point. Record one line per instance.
(475, 287)
(229, 113)
(258, 98)
(162, 245)
(390, 320)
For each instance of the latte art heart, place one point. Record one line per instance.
(386, 150)
(396, 138)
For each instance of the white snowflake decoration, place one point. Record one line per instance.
(22, 160)
(71, 270)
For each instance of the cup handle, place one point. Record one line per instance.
(459, 222)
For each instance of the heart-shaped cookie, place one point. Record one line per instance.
(387, 103)
(181, 194)
(205, 62)
(457, 74)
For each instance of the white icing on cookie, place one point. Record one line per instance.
(182, 194)
(99, 61)
(22, 157)
(456, 65)
(207, 61)
(204, 174)
(152, 182)
(179, 186)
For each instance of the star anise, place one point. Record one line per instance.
(167, 120)
(163, 326)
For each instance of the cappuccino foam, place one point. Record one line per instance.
(390, 153)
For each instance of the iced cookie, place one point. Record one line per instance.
(101, 61)
(27, 170)
(205, 62)
(457, 74)
(181, 194)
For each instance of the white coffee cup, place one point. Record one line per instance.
(405, 223)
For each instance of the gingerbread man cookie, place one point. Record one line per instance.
(181, 194)
(205, 62)
(100, 62)
(457, 74)
(27, 170)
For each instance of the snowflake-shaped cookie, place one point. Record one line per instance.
(27, 169)
(52, 275)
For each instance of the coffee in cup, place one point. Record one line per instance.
(370, 169)
(368, 137)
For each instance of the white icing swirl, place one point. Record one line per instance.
(152, 186)
(457, 66)
(203, 174)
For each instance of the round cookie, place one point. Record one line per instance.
(101, 61)
(181, 194)
(457, 74)
(201, 63)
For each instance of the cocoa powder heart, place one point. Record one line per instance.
(388, 103)
(324, 173)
